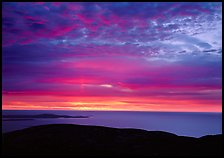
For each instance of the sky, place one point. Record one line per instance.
(113, 56)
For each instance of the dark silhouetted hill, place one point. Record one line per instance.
(80, 140)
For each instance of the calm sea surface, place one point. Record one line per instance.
(185, 124)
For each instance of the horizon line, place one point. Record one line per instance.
(111, 111)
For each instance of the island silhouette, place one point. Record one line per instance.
(27, 117)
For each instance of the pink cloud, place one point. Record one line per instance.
(85, 19)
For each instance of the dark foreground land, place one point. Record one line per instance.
(79, 140)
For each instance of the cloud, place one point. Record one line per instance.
(137, 22)
(109, 49)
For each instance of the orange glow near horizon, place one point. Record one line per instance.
(12, 102)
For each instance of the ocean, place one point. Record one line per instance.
(193, 124)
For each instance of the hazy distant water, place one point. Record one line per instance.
(186, 124)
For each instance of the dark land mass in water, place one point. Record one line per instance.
(43, 116)
(80, 140)
(18, 119)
